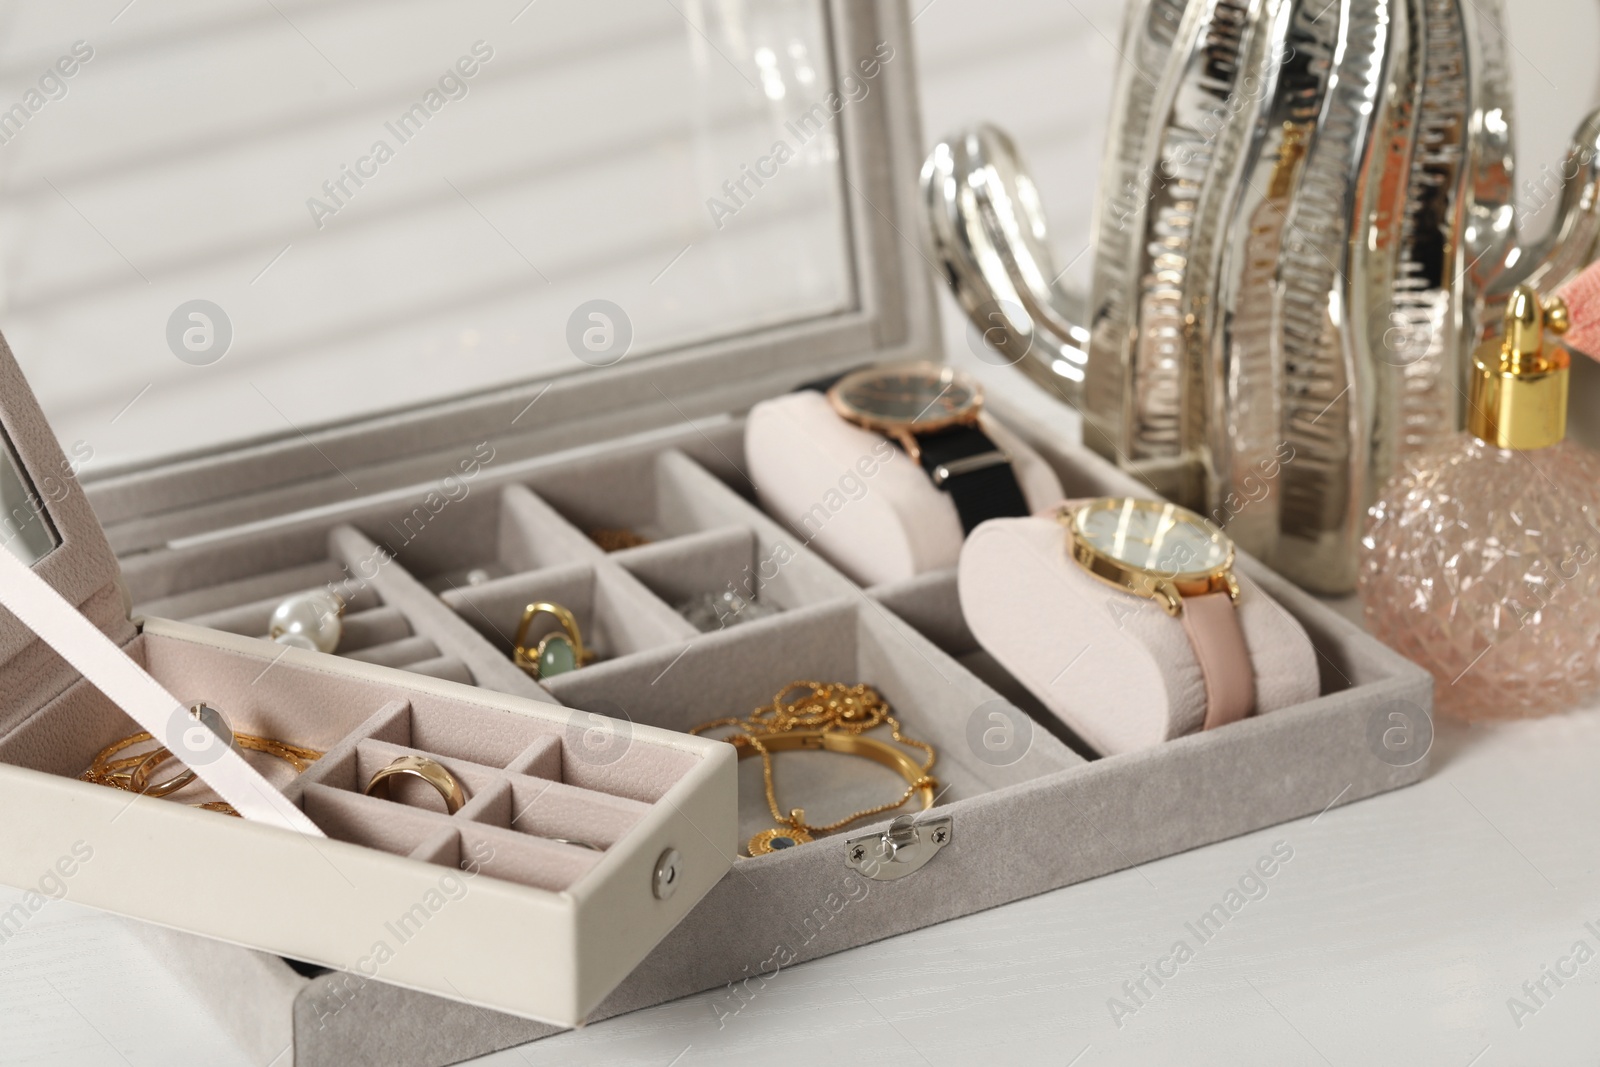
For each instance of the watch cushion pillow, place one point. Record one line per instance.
(1113, 666)
(856, 498)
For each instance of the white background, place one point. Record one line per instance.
(1395, 935)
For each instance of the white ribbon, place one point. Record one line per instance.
(110, 670)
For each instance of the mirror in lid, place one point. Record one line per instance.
(24, 523)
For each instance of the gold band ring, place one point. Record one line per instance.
(431, 771)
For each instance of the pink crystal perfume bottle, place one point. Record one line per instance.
(1481, 560)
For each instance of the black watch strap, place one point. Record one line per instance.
(965, 463)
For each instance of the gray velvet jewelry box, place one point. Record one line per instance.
(654, 446)
(907, 639)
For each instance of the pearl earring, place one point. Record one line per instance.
(309, 620)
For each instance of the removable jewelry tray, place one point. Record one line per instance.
(482, 906)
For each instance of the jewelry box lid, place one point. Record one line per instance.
(46, 521)
(327, 268)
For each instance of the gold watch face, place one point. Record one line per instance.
(914, 397)
(1163, 540)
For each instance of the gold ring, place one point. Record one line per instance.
(431, 771)
(558, 651)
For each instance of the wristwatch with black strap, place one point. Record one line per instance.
(931, 412)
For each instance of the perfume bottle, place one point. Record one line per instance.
(1481, 559)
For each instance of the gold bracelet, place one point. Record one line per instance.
(132, 773)
(831, 717)
(794, 830)
(139, 779)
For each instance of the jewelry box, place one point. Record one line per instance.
(652, 446)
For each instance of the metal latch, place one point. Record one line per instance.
(967, 464)
(900, 850)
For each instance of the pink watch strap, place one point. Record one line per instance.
(1213, 625)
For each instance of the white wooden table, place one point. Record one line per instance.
(1397, 934)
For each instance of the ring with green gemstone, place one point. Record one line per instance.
(558, 651)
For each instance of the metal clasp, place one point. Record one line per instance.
(957, 467)
(900, 850)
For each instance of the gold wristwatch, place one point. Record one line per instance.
(1183, 562)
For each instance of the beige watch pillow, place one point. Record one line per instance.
(1114, 667)
(856, 498)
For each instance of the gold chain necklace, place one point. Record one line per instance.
(132, 773)
(832, 717)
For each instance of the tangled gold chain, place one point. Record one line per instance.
(826, 706)
(132, 773)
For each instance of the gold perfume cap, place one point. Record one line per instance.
(1518, 397)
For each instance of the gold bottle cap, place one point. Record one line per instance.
(1518, 397)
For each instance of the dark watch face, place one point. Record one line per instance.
(913, 394)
